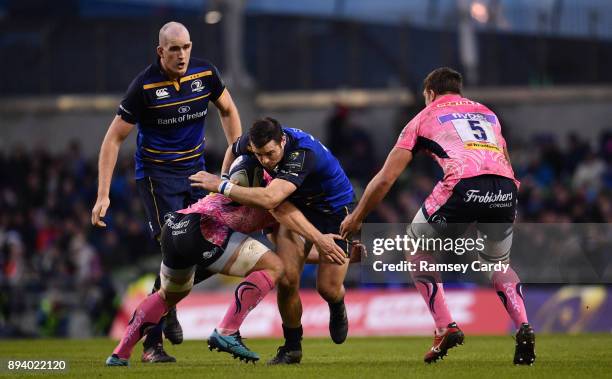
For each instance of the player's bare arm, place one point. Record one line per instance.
(230, 122)
(117, 132)
(268, 197)
(287, 214)
(377, 189)
(230, 118)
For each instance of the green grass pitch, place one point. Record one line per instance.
(588, 355)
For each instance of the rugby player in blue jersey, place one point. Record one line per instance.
(168, 102)
(305, 173)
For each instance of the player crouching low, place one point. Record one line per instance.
(210, 233)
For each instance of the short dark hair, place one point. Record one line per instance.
(443, 80)
(265, 130)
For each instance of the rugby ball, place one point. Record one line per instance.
(247, 171)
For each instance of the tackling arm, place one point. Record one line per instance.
(291, 217)
(268, 197)
(287, 214)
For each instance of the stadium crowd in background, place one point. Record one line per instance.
(48, 247)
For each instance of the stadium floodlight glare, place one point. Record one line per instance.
(213, 17)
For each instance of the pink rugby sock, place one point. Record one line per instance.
(147, 315)
(509, 290)
(429, 285)
(247, 295)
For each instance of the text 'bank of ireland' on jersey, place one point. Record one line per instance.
(170, 116)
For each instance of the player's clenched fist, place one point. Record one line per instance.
(99, 211)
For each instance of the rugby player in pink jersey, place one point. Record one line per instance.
(212, 233)
(465, 139)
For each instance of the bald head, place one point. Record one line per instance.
(174, 49)
(172, 30)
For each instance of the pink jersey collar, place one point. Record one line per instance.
(446, 98)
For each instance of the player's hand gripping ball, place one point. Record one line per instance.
(247, 172)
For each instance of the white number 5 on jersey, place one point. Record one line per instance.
(475, 131)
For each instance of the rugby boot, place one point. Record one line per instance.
(285, 356)
(156, 354)
(232, 344)
(524, 352)
(442, 342)
(115, 361)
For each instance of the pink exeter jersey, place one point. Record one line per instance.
(220, 216)
(463, 136)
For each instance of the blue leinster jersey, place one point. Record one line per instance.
(170, 115)
(321, 182)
